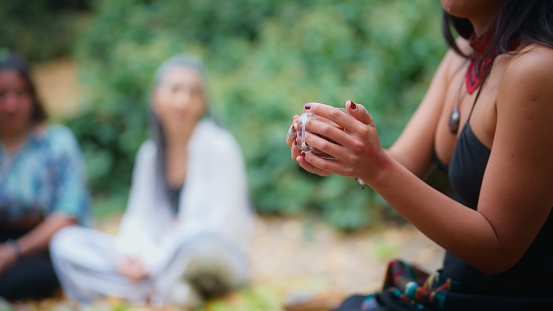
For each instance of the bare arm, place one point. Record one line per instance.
(36, 241)
(515, 196)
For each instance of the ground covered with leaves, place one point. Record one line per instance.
(295, 259)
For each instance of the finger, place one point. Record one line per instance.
(326, 166)
(307, 106)
(326, 136)
(291, 135)
(342, 119)
(292, 131)
(317, 165)
(325, 145)
(308, 166)
(301, 127)
(306, 110)
(295, 150)
(332, 115)
(359, 112)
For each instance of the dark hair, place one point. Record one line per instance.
(9, 61)
(529, 20)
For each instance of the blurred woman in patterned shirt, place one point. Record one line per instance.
(42, 185)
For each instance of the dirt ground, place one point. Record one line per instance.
(299, 259)
(292, 251)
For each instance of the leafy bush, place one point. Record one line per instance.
(265, 60)
(40, 29)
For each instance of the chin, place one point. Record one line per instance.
(453, 8)
(14, 124)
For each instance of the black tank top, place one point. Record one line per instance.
(533, 274)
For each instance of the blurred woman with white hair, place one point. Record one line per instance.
(184, 234)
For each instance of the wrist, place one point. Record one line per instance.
(382, 170)
(14, 245)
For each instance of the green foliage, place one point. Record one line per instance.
(259, 297)
(265, 60)
(40, 29)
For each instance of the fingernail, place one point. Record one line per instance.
(295, 143)
(307, 106)
(352, 105)
(303, 154)
(292, 133)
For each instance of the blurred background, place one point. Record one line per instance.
(94, 62)
(265, 59)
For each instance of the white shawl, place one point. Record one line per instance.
(214, 199)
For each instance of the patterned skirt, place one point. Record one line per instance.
(409, 288)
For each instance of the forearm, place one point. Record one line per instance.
(419, 169)
(459, 229)
(38, 239)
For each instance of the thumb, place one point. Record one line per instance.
(359, 112)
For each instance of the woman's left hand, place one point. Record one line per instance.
(132, 267)
(356, 149)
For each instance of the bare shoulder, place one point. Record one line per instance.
(529, 75)
(524, 96)
(533, 63)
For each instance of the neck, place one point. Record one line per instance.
(178, 134)
(176, 156)
(482, 23)
(480, 28)
(177, 138)
(13, 140)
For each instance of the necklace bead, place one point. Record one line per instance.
(454, 119)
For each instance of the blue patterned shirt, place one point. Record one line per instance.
(45, 176)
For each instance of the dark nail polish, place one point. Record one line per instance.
(352, 105)
(303, 154)
(307, 106)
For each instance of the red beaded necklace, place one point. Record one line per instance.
(473, 78)
(477, 70)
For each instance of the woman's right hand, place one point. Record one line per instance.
(292, 142)
(132, 267)
(350, 138)
(8, 257)
(291, 138)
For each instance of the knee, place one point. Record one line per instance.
(212, 255)
(64, 239)
(210, 245)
